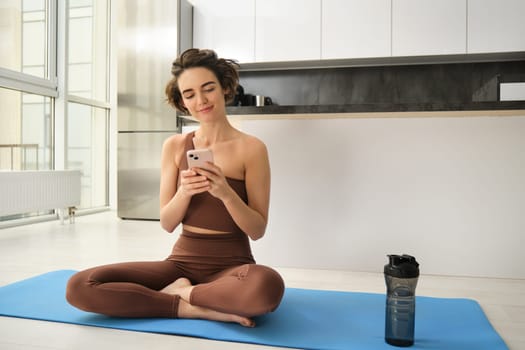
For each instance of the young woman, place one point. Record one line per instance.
(211, 273)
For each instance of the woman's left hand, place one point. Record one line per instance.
(219, 187)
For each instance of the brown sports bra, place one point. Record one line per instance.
(206, 211)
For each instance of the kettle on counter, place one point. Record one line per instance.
(238, 98)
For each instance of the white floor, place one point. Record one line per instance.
(26, 251)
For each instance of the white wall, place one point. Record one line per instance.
(346, 192)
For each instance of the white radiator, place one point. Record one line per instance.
(30, 191)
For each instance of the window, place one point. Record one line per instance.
(26, 103)
(87, 49)
(87, 144)
(54, 91)
(24, 34)
(87, 107)
(25, 131)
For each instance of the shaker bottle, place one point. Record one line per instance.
(401, 275)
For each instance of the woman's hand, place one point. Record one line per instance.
(217, 185)
(192, 183)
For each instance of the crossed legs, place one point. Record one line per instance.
(237, 293)
(160, 289)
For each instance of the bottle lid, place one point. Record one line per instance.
(402, 266)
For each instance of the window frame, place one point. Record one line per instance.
(55, 86)
(19, 81)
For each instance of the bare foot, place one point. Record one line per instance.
(183, 288)
(186, 310)
(176, 287)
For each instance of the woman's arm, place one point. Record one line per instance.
(252, 217)
(174, 199)
(172, 207)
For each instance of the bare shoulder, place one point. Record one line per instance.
(253, 146)
(173, 146)
(175, 140)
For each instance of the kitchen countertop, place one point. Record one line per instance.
(381, 107)
(377, 110)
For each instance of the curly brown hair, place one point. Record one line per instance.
(224, 69)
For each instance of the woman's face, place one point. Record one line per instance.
(202, 94)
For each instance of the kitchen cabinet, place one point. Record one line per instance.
(226, 26)
(429, 27)
(287, 30)
(356, 28)
(299, 31)
(496, 26)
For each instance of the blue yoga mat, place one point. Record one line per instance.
(306, 319)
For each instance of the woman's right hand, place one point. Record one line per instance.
(192, 183)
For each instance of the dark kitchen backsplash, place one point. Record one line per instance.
(426, 83)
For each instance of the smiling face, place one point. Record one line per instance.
(202, 94)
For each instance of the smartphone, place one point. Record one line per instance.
(198, 157)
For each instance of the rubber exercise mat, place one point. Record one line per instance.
(306, 319)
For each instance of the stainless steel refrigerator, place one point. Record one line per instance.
(150, 35)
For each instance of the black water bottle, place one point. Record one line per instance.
(401, 275)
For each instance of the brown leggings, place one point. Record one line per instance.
(225, 282)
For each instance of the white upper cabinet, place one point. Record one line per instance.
(226, 26)
(301, 30)
(496, 26)
(288, 30)
(356, 28)
(429, 27)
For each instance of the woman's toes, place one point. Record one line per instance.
(246, 322)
